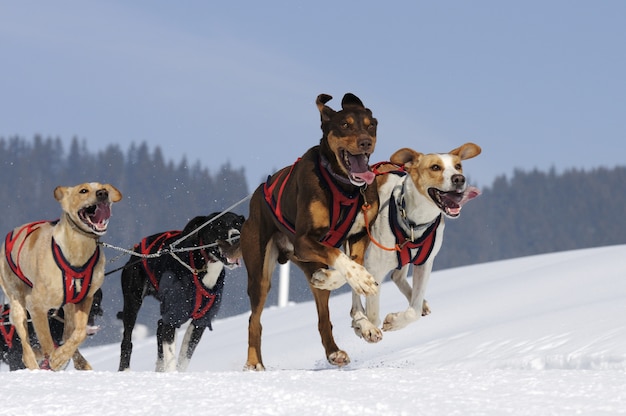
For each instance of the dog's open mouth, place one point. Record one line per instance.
(358, 168)
(96, 217)
(230, 251)
(451, 202)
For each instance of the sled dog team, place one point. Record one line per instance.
(332, 213)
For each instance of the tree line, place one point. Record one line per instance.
(538, 212)
(158, 195)
(529, 213)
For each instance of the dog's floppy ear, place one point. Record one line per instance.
(59, 191)
(351, 100)
(114, 194)
(325, 111)
(467, 151)
(405, 157)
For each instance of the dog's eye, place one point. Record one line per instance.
(435, 168)
(84, 191)
(371, 127)
(345, 125)
(458, 166)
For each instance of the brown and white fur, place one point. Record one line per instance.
(434, 184)
(86, 212)
(349, 137)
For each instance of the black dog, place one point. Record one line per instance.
(11, 347)
(188, 284)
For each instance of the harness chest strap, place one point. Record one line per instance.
(412, 251)
(343, 208)
(204, 299)
(72, 275)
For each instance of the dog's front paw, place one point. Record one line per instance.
(253, 367)
(339, 358)
(361, 281)
(58, 362)
(366, 330)
(327, 279)
(425, 308)
(391, 322)
(399, 320)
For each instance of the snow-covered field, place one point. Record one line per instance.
(542, 335)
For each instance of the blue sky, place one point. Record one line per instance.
(538, 84)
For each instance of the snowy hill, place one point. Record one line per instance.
(541, 335)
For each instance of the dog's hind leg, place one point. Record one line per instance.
(19, 318)
(192, 337)
(260, 265)
(399, 278)
(133, 282)
(80, 362)
(14, 355)
(166, 347)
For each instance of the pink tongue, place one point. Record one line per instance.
(103, 213)
(470, 193)
(359, 168)
(367, 176)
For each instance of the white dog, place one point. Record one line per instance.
(416, 192)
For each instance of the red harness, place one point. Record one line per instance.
(343, 210)
(71, 274)
(416, 251)
(7, 334)
(151, 247)
(203, 298)
(9, 242)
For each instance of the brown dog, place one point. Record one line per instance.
(46, 265)
(305, 212)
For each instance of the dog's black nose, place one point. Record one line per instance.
(102, 194)
(365, 144)
(458, 180)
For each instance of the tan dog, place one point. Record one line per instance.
(306, 212)
(417, 191)
(46, 265)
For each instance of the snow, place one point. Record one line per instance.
(541, 335)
